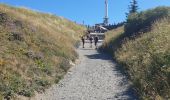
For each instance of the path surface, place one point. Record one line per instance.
(96, 77)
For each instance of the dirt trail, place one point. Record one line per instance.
(96, 77)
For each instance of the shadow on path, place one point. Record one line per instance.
(99, 56)
(86, 49)
(130, 92)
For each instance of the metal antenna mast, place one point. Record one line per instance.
(106, 18)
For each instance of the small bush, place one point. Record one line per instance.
(3, 18)
(58, 78)
(16, 36)
(12, 87)
(65, 65)
(26, 92)
(141, 22)
(42, 82)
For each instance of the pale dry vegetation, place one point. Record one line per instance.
(144, 52)
(147, 59)
(113, 39)
(35, 50)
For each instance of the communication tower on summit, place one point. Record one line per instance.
(106, 18)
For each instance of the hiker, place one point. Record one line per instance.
(96, 39)
(91, 41)
(87, 37)
(83, 40)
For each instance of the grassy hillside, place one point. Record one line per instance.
(35, 50)
(113, 39)
(147, 60)
(142, 21)
(146, 56)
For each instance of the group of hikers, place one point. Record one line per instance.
(91, 39)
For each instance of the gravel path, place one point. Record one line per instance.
(96, 77)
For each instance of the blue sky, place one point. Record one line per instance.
(89, 11)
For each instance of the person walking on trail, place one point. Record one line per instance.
(83, 40)
(96, 39)
(91, 41)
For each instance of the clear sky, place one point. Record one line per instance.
(89, 11)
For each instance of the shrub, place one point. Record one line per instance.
(3, 18)
(65, 65)
(141, 22)
(15, 36)
(27, 92)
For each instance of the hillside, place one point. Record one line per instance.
(144, 52)
(113, 39)
(36, 50)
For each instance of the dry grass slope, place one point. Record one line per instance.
(143, 50)
(147, 58)
(35, 50)
(113, 39)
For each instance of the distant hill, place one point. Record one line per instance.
(36, 50)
